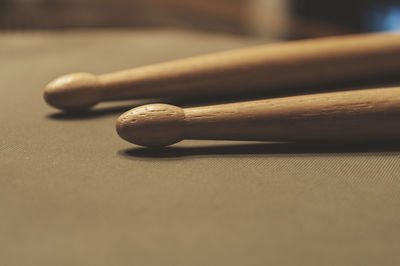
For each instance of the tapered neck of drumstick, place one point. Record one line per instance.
(123, 85)
(159, 80)
(186, 77)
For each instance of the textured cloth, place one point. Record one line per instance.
(73, 193)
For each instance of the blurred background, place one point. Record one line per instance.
(289, 19)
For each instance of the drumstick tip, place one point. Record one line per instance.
(71, 92)
(153, 125)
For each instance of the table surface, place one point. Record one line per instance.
(73, 193)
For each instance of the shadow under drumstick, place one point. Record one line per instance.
(270, 148)
(103, 109)
(88, 114)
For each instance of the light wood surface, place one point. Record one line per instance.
(360, 115)
(263, 67)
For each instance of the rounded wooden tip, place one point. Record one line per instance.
(153, 125)
(75, 91)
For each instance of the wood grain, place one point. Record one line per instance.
(361, 115)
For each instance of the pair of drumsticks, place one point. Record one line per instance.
(368, 114)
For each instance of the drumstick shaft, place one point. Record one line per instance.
(372, 114)
(268, 66)
(291, 64)
(350, 115)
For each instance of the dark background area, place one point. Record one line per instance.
(283, 18)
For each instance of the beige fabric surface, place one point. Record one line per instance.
(73, 193)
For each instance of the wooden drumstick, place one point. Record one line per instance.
(361, 115)
(296, 63)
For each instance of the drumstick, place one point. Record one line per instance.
(360, 115)
(290, 64)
